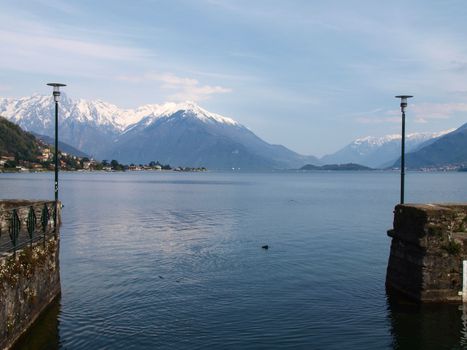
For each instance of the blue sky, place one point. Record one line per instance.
(311, 75)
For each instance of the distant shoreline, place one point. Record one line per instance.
(175, 170)
(229, 171)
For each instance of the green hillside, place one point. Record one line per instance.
(16, 142)
(449, 150)
(21, 151)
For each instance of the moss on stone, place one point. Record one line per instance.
(464, 224)
(452, 248)
(24, 263)
(435, 230)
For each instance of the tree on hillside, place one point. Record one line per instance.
(17, 142)
(116, 165)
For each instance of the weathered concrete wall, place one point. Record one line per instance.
(29, 278)
(427, 251)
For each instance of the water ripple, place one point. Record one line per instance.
(175, 261)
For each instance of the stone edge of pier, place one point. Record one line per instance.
(29, 276)
(428, 247)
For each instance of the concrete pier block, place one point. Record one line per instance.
(428, 249)
(29, 269)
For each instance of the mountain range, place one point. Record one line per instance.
(184, 134)
(449, 150)
(381, 152)
(179, 134)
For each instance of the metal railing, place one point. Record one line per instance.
(26, 223)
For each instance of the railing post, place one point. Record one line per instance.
(15, 226)
(24, 224)
(45, 219)
(31, 223)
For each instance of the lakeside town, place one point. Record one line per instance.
(69, 162)
(44, 161)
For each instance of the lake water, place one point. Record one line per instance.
(174, 261)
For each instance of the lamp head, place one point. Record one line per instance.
(56, 91)
(403, 101)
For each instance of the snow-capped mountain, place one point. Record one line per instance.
(88, 126)
(37, 112)
(448, 151)
(175, 133)
(146, 115)
(379, 152)
(191, 135)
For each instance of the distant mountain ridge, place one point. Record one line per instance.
(449, 150)
(182, 133)
(336, 167)
(380, 152)
(26, 146)
(187, 135)
(62, 146)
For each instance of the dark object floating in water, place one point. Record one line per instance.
(265, 246)
(161, 277)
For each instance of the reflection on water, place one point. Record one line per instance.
(174, 261)
(415, 326)
(44, 335)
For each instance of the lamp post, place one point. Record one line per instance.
(56, 95)
(403, 106)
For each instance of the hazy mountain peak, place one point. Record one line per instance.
(421, 136)
(37, 110)
(188, 108)
(177, 133)
(374, 140)
(377, 151)
(448, 151)
(148, 114)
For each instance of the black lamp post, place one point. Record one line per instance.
(56, 95)
(403, 106)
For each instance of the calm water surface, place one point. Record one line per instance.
(174, 260)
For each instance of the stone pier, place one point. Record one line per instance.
(429, 245)
(29, 265)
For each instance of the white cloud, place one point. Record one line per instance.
(224, 76)
(178, 88)
(438, 110)
(20, 44)
(377, 120)
(172, 81)
(422, 113)
(374, 116)
(32, 45)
